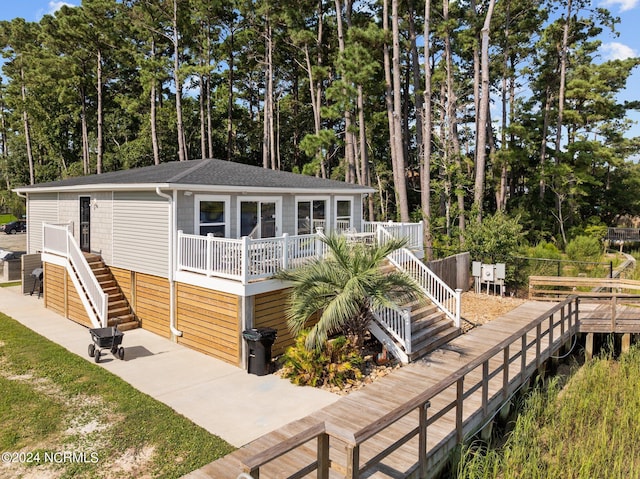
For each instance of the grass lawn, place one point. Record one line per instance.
(6, 218)
(71, 418)
(10, 284)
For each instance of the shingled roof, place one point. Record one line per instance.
(194, 173)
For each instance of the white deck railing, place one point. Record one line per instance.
(247, 259)
(413, 232)
(440, 294)
(58, 240)
(397, 323)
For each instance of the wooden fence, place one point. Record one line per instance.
(453, 270)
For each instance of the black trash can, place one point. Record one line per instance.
(259, 341)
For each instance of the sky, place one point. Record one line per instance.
(626, 44)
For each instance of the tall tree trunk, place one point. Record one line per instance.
(483, 117)
(203, 118)
(153, 112)
(364, 152)
(86, 160)
(453, 143)
(400, 181)
(182, 151)
(563, 77)
(25, 121)
(99, 146)
(268, 139)
(230, 82)
(543, 145)
(476, 73)
(349, 154)
(425, 163)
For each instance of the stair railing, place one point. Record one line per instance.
(57, 239)
(397, 324)
(438, 292)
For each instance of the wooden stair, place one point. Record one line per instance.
(119, 309)
(430, 327)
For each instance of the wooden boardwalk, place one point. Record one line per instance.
(407, 423)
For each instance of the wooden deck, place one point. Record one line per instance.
(407, 423)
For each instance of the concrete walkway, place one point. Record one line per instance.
(223, 399)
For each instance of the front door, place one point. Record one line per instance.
(85, 223)
(258, 219)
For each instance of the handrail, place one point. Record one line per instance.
(560, 329)
(59, 240)
(438, 292)
(397, 323)
(385, 421)
(253, 463)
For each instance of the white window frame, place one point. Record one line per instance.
(351, 210)
(196, 212)
(260, 199)
(327, 203)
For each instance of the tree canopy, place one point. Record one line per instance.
(451, 111)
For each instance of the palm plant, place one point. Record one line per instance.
(343, 288)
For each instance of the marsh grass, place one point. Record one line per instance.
(588, 429)
(54, 401)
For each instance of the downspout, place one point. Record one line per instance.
(172, 255)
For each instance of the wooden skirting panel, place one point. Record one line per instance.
(270, 312)
(152, 303)
(75, 309)
(209, 321)
(60, 295)
(55, 278)
(124, 279)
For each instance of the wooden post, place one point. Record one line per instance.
(626, 343)
(353, 462)
(422, 439)
(505, 373)
(613, 313)
(523, 357)
(588, 348)
(323, 456)
(485, 387)
(459, 410)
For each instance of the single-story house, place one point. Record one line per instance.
(188, 250)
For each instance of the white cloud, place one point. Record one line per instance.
(54, 5)
(617, 51)
(623, 4)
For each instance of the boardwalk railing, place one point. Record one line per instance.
(553, 287)
(617, 235)
(495, 376)
(58, 240)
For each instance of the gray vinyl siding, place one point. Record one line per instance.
(43, 208)
(141, 232)
(101, 219)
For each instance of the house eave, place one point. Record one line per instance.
(193, 188)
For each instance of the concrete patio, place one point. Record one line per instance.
(223, 399)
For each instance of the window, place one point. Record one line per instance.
(260, 218)
(344, 214)
(311, 215)
(211, 215)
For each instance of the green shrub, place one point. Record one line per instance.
(584, 248)
(494, 240)
(335, 364)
